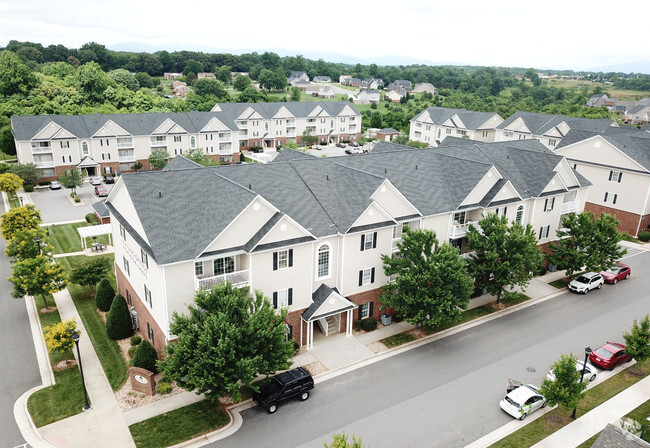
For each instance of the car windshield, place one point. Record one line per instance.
(613, 270)
(603, 353)
(582, 279)
(512, 402)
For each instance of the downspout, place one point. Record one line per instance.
(645, 205)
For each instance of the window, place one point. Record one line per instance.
(460, 217)
(150, 333)
(225, 159)
(224, 265)
(485, 133)
(147, 296)
(282, 259)
(144, 257)
(552, 142)
(192, 142)
(365, 310)
(323, 261)
(366, 276)
(507, 134)
(448, 131)
(368, 241)
(198, 268)
(520, 214)
(177, 139)
(126, 266)
(65, 145)
(438, 133)
(610, 197)
(615, 176)
(128, 298)
(84, 148)
(288, 333)
(282, 298)
(543, 232)
(522, 137)
(107, 170)
(122, 232)
(501, 211)
(548, 204)
(106, 156)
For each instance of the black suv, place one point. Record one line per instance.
(296, 382)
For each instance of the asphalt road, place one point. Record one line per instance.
(446, 393)
(18, 365)
(55, 205)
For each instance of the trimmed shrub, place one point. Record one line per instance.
(44, 183)
(145, 357)
(135, 340)
(357, 324)
(77, 199)
(118, 323)
(369, 324)
(104, 295)
(164, 387)
(28, 188)
(131, 351)
(644, 236)
(91, 219)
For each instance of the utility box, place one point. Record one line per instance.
(385, 319)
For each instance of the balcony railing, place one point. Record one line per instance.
(225, 138)
(44, 164)
(239, 279)
(395, 242)
(291, 124)
(154, 142)
(459, 230)
(41, 149)
(126, 159)
(121, 145)
(569, 207)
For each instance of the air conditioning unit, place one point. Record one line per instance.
(134, 319)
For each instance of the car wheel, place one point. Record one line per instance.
(304, 395)
(600, 285)
(523, 416)
(627, 276)
(544, 405)
(612, 367)
(586, 291)
(593, 377)
(615, 281)
(272, 408)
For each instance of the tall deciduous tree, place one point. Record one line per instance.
(637, 341)
(432, 284)
(241, 83)
(37, 276)
(584, 241)
(28, 243)
(20, 218)
(15, 77)
(10, 183)
(505, 255)
(227, 338)
(567, 388)
(307, 138)
(158, 158)
(91, 82)
(90, 272)
(27, 172)
(72, 178)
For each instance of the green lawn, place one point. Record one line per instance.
(179, 425)
(641, 415)
(64, 238)
(14, 203)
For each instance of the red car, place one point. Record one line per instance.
(101, 191)
(617, 272)
(609, 355)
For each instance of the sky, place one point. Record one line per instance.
(551, 34)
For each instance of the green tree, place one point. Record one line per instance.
(505, 256)
(15, 77)
(432, 285)
(146, 357)
(90, 272)
(7, 142)
(104, 295)
(206, 87)
(158, 158)
(124, 77)
(250, 95)
(308, 139)
(72, 178)
(27, 172)
(228, 337)
(567, 388)
(58, 336)
(192, 66)
(197, 155)
(376, 120)
(267, 79)
(341, 441)
(241, 83)
(295, 94)
(28, 243)
(20, 218)
(144, 79)
(118, 322)
(91, 82)
(37, 276)
(584, 241)
(223, 74)
(10, 183)
(637, 341)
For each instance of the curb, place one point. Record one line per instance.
(25, 423)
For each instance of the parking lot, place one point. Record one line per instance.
(322, 151)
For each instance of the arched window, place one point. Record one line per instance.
(323, 265)
(192, 142)
(520, 214)
(84, 148)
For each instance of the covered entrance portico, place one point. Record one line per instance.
(91, 167)
(328, 310)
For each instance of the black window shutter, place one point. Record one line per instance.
(374, 240)
(546, 204)
(359, 317)
(275, 299)
(360, 278)
(605, 197)
(290, 335)
(372, 275)
(552, 203)
(275, 261)
(611, 173)
(540, 233)
(615, 198)
(363, 240)
(290, 296)
(620, 176)
(290, 257)
(505, 211)
(370, 309)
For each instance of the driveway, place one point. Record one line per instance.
(57, 206)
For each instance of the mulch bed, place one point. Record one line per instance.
(65, 364)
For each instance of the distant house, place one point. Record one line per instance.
(400, 84)
(434, 124)
(172, 76)
(344, 79)
(296, 77)
(387, 134)
(322, 79)
(177, 84)
(320, 91)
(639, 114)
(371, 83)
(234, 75)
(424, 87)
(180, 89)
(396, 95)
(355, 82)
(367, 97)
(302, 85)
(205, 75)
(597, 100)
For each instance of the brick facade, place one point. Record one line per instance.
(629, 222)
(371, 296)
(145, 319)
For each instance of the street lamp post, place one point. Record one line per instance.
(38, 241)
(582, 376)
(75, 337)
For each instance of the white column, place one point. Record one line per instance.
(348, 327)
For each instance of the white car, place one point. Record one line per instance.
(586, 282)
(522, 401)
(590, 372)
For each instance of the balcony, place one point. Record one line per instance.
(154, 142)
(239, 279)
(44, 164)
(291, 135)
(459, 230)
(242, 124)
(124, 143)
(41, 149)
(570, 207)
(291, 123)
(395, 242)
(225, 138)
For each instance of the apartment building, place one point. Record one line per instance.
(434, 124)
(309, 232)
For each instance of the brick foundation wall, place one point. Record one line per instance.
(295, 320)
(144, 315)
(363, 297)
(629, 222)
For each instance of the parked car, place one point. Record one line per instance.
(522, 401)
(101, 191)
(617, 272)
(354, 144)
(294, 383)
(257, 149)
(95, 181)
(590, 372)
(609, 355)
(586, 282)
(350, 151)
(54, 185)
(340, 145)
(109, 179)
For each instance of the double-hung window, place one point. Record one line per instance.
(365, 310)
(544, 231)
(126, 266)
(366, 276)
(615, 176)
(198, 268)
(611, 198)
(144, 257)
(368, 241)
(147, 296)
(224, 265)
(548, 204)
(282, 259)
(283, 298)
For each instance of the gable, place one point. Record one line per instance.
(284, 229)
(214, 125)
(284, 113)
(597, 150)
(566, 173)
(373, 214)
(314, 113)
(458, 122)
(249, 114)
(563, 128)
(169, 127)
(519, 125)
(507, 192)
(392, 201)
(555, 184)
(482, 187)
(425, 117)
(494, 121)
(63, 134)
(48, 131)
(347, 110)
(110, 129)
(554, 132)
(121, 200)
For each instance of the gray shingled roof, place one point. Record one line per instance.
(288, 154)
(100, 209)
(540, 124)
(471, 119)
(613, 436)
(181, 162)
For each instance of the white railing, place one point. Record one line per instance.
(41, 149)
(225, 151)
(225, 139)
(47, 164)
(395, 242)
(569, 207)
(467, 255)
(459, 230)
(291, 124)
(121, 145)
(242, 125)
(126, 159)
(291, 134)
(154, 142)
(322, 323)
(239, 279)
